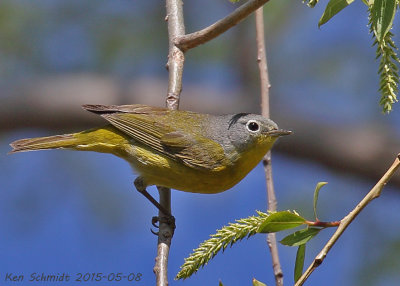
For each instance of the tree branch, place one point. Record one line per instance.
(165, 234)
(265, 87)
(175, 68)
(189, 41)
(176, 57)
(345, 222)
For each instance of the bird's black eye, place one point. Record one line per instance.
(253, 126)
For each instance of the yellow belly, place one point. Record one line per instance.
(162, 171)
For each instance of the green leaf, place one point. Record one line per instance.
(280, 221)
(300, 237)
(299, 265)
(220, 283)
(333, 7)
(316, 194)
(258, 283)
(388, 70)
(382, 16)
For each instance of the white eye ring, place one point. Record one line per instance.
(253, 126)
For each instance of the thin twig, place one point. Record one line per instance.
(175, 68)
(189, 41)
(323, 224)
(265, 86)
(345, 222)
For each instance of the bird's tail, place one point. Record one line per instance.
(42, 143)
(106, 140)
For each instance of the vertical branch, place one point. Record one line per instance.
(165, 234)
(265, 86)
(175, 63)
(262, 63)
(176, 57)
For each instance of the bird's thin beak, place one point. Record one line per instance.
(279, 132)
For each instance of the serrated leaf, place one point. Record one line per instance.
(299, 264)
(332, 8)
(300, 237)
(280, 221)
(258, 283)
(316, 194)
(382, 16)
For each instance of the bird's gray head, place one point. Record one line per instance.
(248, 130)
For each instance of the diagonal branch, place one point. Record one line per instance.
(265, 87)
(189, 41)
(345, 222)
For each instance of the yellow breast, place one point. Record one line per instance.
(159, 170)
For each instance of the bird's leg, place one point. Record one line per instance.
(141, 187)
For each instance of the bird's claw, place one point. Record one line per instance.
(155, 220)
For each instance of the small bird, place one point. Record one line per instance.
(182, 150)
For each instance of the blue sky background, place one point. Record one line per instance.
(72, 212)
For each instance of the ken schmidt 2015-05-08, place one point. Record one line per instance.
(79, 277)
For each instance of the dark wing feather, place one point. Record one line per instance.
(133, 108)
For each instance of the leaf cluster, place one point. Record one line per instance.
(381, 19)
(263, 223)
(224, 237)
(380, 24)
(381, 15)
